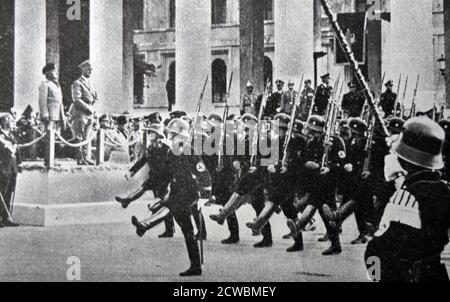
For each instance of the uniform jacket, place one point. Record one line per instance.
(248, 103)
(306, 103)
(9, 157)
(414, 230)
(288, 100)
(273, 103)
(323, 95)
(84, 96)
(353, 103)
(51, 101)
(387, 102)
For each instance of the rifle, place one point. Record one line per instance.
(260, 114)
(397, 96)
(413, 104)
(354, 64)
(402, 110)
(224, 126)
(329, 131)
(287, 140)
(368, 149)
(197, 114)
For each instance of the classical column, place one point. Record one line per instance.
(106, 54)
(411, 50)
(193, 54)
(53, 31)
(29, 53)
(294, 40)
(447, 49)
(251, 15)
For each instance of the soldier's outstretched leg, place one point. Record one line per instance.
(266, 231)
(159, 215)
(296, 225)
(125, 202)
(232, 205)
(290, 212)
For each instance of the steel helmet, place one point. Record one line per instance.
(179, 127)
(421, 143)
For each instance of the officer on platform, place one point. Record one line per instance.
(353, 102)
(248, 100)
(388, 98)
(288, 99)
(274, 101)
(306, 101)
(323, 95)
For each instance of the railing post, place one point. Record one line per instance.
(51, 147)
(100, 147)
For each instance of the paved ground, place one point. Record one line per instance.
(114, 253)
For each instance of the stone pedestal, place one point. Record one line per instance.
(252, 44)
(294, 40)
(106, 53)
(411, 50)
(193, 54)
(30, 52)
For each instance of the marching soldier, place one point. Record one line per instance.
(84, 98)
(288, 99)
(414, 228)
(274, 101)
(353, 102)
(317, 182)
(9, 168)
(388, 98)
(323, 95)
(279, 190)
(357, 197)
(306, 101)
(250, 184)
(189, 180)
(248, 101)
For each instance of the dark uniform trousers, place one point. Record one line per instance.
(7, 188)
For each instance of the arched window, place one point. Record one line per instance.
(219, 11)
(219, 81)
(268, 70)
(268, 10)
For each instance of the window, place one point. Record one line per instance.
(219, 81)
(172, 13)
(268, 10)
(268, 70)
(219, 11)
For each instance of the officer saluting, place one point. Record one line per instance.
(353, 102)
(323, 95)
(414, 228)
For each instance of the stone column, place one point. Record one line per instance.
(193, 54)
(53, 32)
(106, 54)
(411, 49)
(294, 40)
(251, 15)
(29, 53)
(447, 49)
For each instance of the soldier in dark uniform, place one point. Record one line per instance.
(248, 101)
(414, 228)
(307, 98)
(445, 124)
(317, 182)
(274, 101)
(27, 132)
(250, 183)
(323, 95)
(388, 98)
(353, 102)
(279, 190)
(9, 168)
(357, 196)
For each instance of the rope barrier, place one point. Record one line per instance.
(33, 142)
(81, 144)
